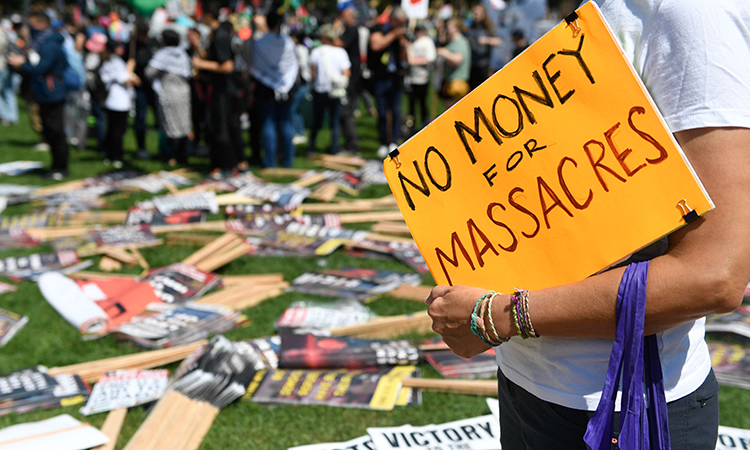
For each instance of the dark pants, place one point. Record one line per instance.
(322, 103)
(351, 140)
(139, 124)
(97, 110)
(117, 123)
(53, 130)
(387, 95)
(529, 423)
(418, 97)
(179, 148)
(224, 128)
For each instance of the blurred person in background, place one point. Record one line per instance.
(8, 99)
(46, 82)
(421, 56)
(481, 35)
(274, 67)
(198, 98)
(303, 85)
(95, 46)
(170, 70)
(119, 78)
(329, 66)
(457, 63)
(223, 119)
(77, 103)
(385, 59)
(145, 47)
(350, 42)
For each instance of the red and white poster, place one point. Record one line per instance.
(415, 9)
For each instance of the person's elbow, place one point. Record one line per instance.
(724, 287)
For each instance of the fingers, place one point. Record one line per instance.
(437, 291)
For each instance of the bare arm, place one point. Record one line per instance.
(452, 59)
(225, 68)
(380, 41)
(704, 271)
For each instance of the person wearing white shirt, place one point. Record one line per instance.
(327, 63)
(119, 79)
(421, 56)
(694, 62)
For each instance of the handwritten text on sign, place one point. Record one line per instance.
(556, 167)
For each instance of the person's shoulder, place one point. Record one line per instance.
(377, 28)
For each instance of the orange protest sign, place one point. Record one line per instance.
(556, 167)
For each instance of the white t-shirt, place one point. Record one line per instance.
(114, 73)
(420, 73)
(694, 61)
(337, 62)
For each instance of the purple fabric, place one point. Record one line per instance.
(641, 428)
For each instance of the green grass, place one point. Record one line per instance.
(50, 341)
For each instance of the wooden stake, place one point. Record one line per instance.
(349, 160)
(139, 258)
(371, 217)
(213, 263)
(46, 234)
(387, 326)
(326, 192)
(469, 387)
(309, 181)
(235, 199)
(207, 416)
(215, 225)
(100, 276)
(210, 248)
(120, 254)
(268, 278)
(338, 166)
(243, 297)
(111, 427)
(92, 370)
(189, 239)
(385, 238)
(283, 172)
(392, 228)
(108, 264)
(408, 292)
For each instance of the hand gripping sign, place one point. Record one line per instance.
(556, 167)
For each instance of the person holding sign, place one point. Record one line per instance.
(694, 62)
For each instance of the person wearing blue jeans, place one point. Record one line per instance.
(275, 68)
(8, 100)
(298, 122)
(276, 115)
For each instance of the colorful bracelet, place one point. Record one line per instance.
(521, 316)
(498, 339)
(482, 309)
(476, 318)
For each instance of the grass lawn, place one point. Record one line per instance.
(50, 341)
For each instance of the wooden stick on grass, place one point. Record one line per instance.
(111, 427)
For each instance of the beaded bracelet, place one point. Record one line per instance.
(520, 312)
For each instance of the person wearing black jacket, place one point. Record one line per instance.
(49, 90)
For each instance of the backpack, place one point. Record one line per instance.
(74, 75)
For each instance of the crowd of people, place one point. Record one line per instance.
(213, 74)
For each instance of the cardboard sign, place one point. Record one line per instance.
(556, 167)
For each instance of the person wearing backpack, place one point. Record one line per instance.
(49, 88)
